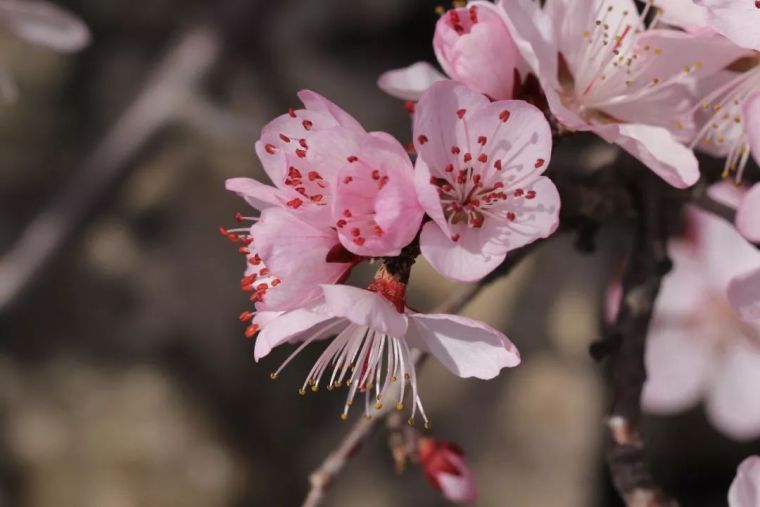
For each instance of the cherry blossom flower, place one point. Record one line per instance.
(43, 24)
(699, 348)
(473, 46)
(478, 176)
(372, 349)
(745, 489)
(604, 70)
(748, 215)
(736, 19)
(447, 470)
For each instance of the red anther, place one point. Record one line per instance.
(467, 157)
(504, 115)
(757, 4)
(291, 112)
(449, 168)
(384, 181)
(519, 192)
(410, 149)
(483, 158)
(511, 216)
(477, 221)
(347, 213)
(482, 140)
(303, 143)
(459, 29)
(347, 180)
(307, 124)
(497, 165)
(378, 230)
(264, 272)
(433, 180)
(476, 178)
(539, 163)
(352, 158)
(251, 330)
(301, 153)
(454, 16)
(233, 237)
(455, 150)
(246, 316)
(376, 174)
(269, 148)
(359, 241)
(285, 138)
(422, 139)
(409, 106)
(314, 175)
(256, 297)
(498, 184)
(243, 250)
(294, 173)
(355, 232)
(340, 223)
(295, 203)
(255, 260)
(461, 112)
(262, 287)
(462, 177)
(246, 241)
(531, 194)
(316, 197)
(223, 231)
(455, 237)
(301, 190)
(276, 282)
(474, 14)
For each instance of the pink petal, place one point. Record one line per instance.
(375, 205)
(466, 347)
(459, 488)
(427, 195)
(751, 120)
(736, 19)
(685, 14)
(733, 404)
(474, 47)
(658, 149)
(295, 252)
(410, 82)
(678, 366)
(748, 215)
(744, 295)
(745, 488)
(463, 260)
(289, 326)
(727, 193)
(257, 194)
(365, 308)
(45, 24)
(436, 118)
(315, 102)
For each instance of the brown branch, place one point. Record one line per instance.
(647, 264)
(702, 200)
(323, 477)
(161, 100)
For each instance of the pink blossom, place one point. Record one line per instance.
(447, 470)
(473, 46)
(745, 489)
(699, 348)
(736, 19)
(371, 351)
(603, 70)
(748, 215)
(478, 176)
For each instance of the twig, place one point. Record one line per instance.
(321, 479)
(647, 264)
(162, 99)
(701, 199)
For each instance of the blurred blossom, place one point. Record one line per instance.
(479, 177)
(447, 470)
(745, 489)
(43, 24)
(698, 347)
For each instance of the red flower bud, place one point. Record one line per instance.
(447, 470)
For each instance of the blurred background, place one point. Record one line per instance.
(125, 379)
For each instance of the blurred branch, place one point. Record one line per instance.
(647, 264)
(323, 477)
(701, 199)
(162, 98)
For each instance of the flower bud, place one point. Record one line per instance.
(447, 470)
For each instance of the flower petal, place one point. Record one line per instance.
(744, 295)
(257, 194)
(409, 83)
(465, 260)
(466, 347)
(748, 215)
(315, 102)
(365, 308)
(290, 326)
(751, 120)
(45, 24)
(736, 19)
(745, 488)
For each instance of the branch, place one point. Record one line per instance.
(701, 199)
(166, 91)
(647, 264)
(321, 479)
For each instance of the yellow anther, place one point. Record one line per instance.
(273, 376)
(378, 405)
(428, 425)
(314, 388)
(302, 391)
(410, 421)
(343, 416)
(440, 10)
(399, 406)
